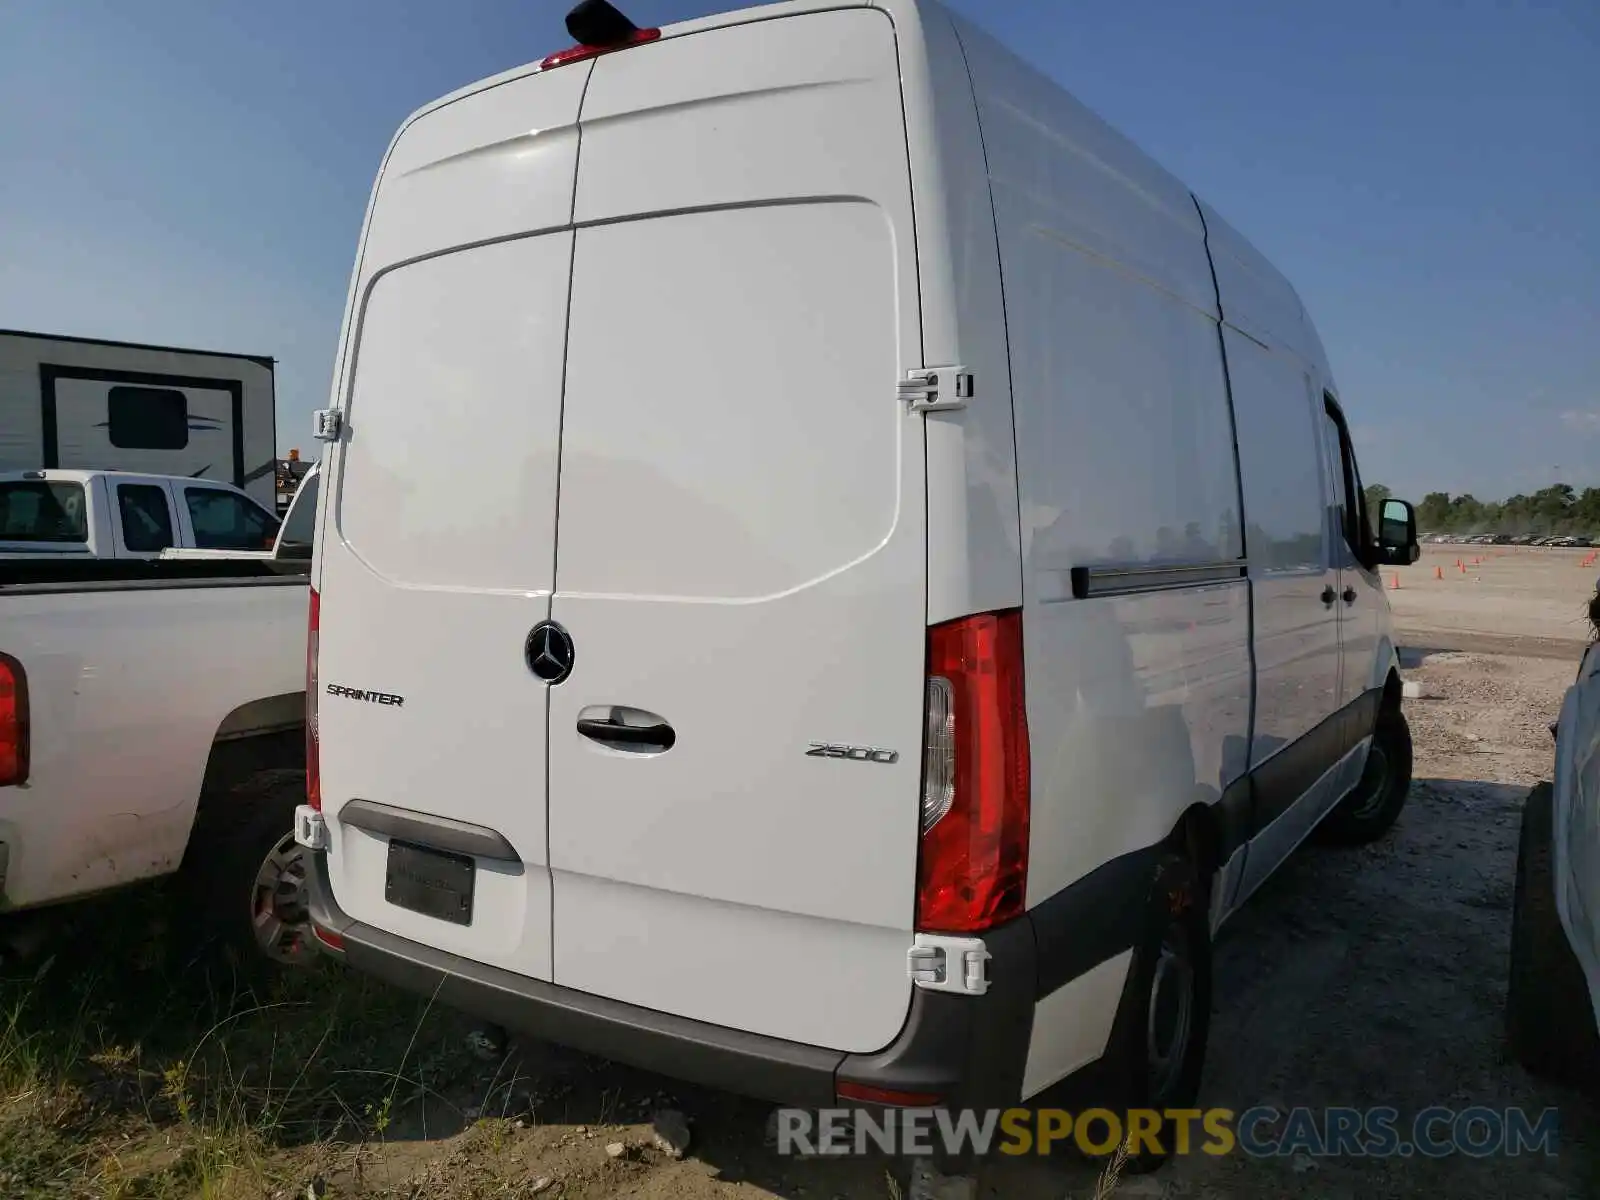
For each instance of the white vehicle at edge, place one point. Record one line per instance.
(1553, 994)
(912, 665)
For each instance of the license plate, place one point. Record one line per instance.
(432, 882)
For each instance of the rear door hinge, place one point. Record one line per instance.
(326, 424)
(310, 828)
(935, 389)
(949, 964)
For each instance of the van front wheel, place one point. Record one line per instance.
(1369, 812)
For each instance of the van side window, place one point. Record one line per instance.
(1353, 520)
(146, 517)
(227, 521)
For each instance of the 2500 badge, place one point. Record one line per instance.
(874, 754)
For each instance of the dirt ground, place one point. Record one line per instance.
(1355, 978)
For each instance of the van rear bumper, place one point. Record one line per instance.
(957, 1051)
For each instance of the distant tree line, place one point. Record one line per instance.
(1549, 512)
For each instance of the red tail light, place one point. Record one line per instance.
(578, 53)
(13, 722)
(973, 870)
(313, 751)
(862, 1093)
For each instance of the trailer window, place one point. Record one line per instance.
(228, 521)
(146, 517)
(142, 418)
(43, 512)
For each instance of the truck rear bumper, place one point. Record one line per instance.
(953, 1051)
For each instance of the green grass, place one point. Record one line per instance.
(122, 1077)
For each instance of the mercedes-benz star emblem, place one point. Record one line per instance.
(549, 652)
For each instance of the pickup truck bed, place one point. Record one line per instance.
(149, 692)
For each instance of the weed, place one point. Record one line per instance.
(120, 1080)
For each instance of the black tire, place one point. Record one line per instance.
(229, 900)
(1371, 810)
(1174, 949)
(1550, 1026)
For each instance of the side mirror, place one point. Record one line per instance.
(1397, 534)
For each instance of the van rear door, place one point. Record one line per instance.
(740, 562)
(438, 548)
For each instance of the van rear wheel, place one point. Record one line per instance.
(1158, 1042)
(1371, 810)
(1550, 1024)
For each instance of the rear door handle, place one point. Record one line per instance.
(626, 728)
(1349, 595)
(1329, 595)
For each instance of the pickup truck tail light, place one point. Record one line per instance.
(13, 722)
(313, 751)
(973, 867)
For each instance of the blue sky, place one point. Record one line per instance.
(1428, 174)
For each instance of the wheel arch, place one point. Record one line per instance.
(261, 735)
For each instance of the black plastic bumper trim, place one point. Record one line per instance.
(1093, 920)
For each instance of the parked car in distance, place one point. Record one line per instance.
(1553, 993)
(882, 635)
(120, 515)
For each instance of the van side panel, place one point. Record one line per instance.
(974, 547)
(1138, 704)
(1285, 485)
(1309, 745)
(1139, 692)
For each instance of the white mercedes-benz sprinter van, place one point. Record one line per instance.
(836, 573)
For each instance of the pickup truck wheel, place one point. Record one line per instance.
(244, 878)
(1550, 1025)
(1372, 809)
(278, 903)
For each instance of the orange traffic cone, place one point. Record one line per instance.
(1394, 583)
(1438, 573)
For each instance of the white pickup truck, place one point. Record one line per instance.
(118, 514)
(152, 722)
(1553, 997)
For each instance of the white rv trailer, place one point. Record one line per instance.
(90, 404)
